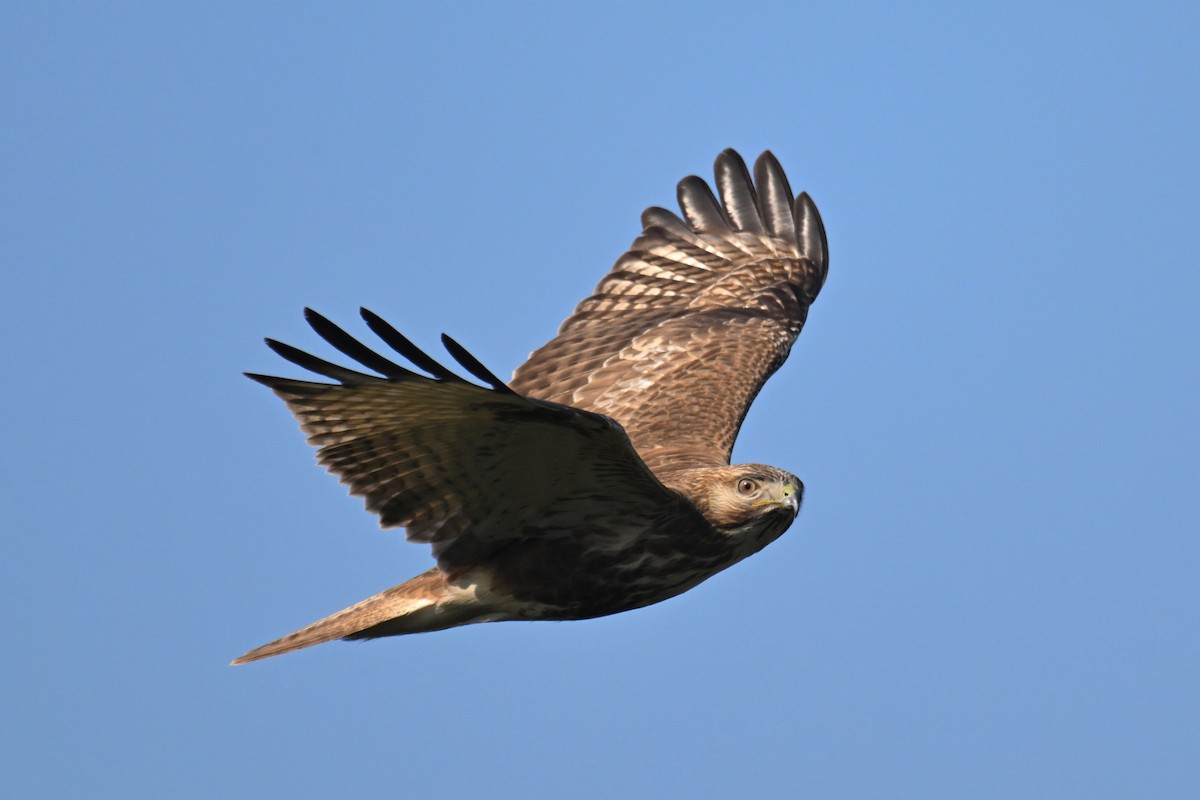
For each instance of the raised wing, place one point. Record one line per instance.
(681, 335)
(464, 467)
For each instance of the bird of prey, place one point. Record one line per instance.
(597, 480)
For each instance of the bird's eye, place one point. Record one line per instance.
(747, 486)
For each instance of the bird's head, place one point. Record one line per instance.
(753, 504)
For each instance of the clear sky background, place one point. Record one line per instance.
(991, 591)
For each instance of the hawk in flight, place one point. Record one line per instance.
(598, 479)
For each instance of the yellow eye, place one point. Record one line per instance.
(747, 486)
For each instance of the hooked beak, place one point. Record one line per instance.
(788, 497)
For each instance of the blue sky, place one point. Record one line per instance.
(991, 590)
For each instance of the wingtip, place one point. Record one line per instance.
(473, 365)
(278, 347)
(767, 158)
(265, 380)
(810, 229)
(729, 155)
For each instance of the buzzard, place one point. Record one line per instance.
(597, 480)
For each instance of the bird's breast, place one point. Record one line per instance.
(592, 573)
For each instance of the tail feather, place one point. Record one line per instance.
(411, 607)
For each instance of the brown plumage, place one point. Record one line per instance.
(598, 479)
